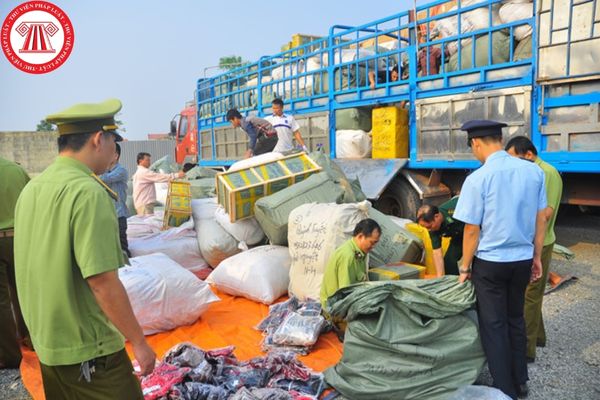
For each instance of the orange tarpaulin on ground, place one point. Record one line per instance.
(230, 321)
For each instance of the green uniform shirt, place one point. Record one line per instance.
(347, 265)
(13, 179)
(66, 231)
(554, 186)
(450, 227)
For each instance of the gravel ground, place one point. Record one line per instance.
(569, 366)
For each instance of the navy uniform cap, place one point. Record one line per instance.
(87, 118)
(481, 128)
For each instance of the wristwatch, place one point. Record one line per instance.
(464, 271)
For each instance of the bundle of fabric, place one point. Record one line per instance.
(215, 243)
(272, 212)
(292, 326)
(260, 274)
(145, 236)
(219, 375)
(406, 339)
(163, 294)
(516, 10)
(353, 143)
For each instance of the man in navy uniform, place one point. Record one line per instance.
(502, 205)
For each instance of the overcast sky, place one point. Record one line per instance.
(149, 54)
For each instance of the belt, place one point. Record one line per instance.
(7, 233)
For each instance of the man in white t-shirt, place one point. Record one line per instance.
(287, 128)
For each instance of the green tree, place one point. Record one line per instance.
(45, 126)
(231, 62)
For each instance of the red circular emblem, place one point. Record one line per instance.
(37, 37)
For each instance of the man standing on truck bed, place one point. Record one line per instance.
(502, 205)
(287, 128)
(522, 147)
(263, 137)
(144, 192)
(67, 253)
(440, 223)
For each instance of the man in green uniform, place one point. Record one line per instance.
(348, 264)
(439, 222)
(522, 147)
(13, 179)
(67, 253)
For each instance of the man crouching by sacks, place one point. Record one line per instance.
(348, 264)
(67, 252)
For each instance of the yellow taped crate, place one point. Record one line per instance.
(390, 132)
(423, 234)
(237, 191)
(178, 207)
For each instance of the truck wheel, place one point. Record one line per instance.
(399, 199)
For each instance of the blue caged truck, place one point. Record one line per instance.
(533, 65)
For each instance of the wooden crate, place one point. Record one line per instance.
(237, 191)
(178, 207)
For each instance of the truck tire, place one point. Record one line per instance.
(399, 199)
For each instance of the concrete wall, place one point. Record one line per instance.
(36, 150)
(33, 150)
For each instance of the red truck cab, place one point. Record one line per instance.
(185, 130)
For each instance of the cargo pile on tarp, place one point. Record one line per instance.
(189, 373)
(406, 339)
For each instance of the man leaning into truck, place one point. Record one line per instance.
(67, 253)
(263, 137)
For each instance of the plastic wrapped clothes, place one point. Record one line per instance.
(313, 386)
(277, 313)
(161, 380)
(198, 391)
(261, 394)
(292, 326)
(281, 365)
(299, 330)
(244, 376)
(185, 355)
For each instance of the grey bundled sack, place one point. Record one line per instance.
(395, 244)
(406, 339)
(272, 212)
(352, 190)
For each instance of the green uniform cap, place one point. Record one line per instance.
(87, 118)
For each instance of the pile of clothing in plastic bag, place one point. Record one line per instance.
(292, 326)
(190, 373)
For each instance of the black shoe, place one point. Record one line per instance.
(522, 390)
(530, 360)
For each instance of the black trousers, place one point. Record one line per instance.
(500, 289)
(265, 144)
(123, 235)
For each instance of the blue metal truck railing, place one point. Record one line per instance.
(332, 73)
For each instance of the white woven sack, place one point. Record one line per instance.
(315, 231)
(260, 274)
(163, 294)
